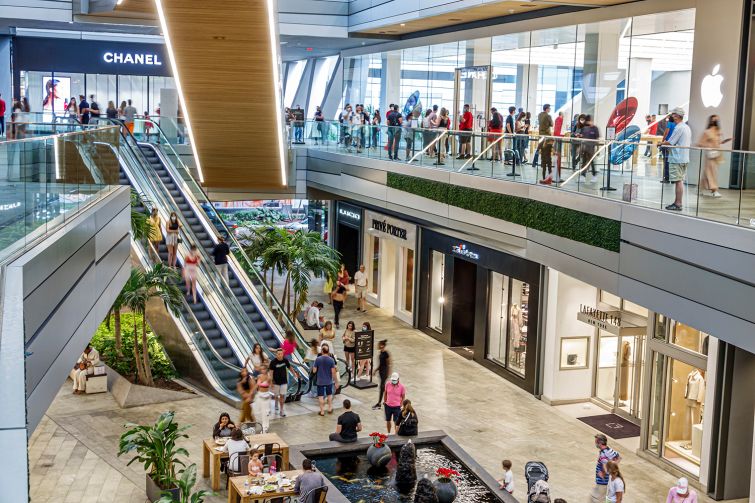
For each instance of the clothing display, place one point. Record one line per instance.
(626, 354)
(694, 394)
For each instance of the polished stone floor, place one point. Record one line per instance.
(73, 451)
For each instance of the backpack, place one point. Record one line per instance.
(496, 121)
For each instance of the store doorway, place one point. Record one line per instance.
(463, 307)
(388, 255)
(618, 380)
(472, 86)
(348, 245)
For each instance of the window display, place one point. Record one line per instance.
(408, 292)
(575, 353)
(499, 320)
(518, 317)
(508, 323)
(436, 290)
(686, 400)
(375, 268)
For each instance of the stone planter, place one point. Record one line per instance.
(154, 493)
(446, 490)
(379, 456)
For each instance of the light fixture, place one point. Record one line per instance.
(56, 153)
(403, 24)
(179, 88)
(454, 19)
(275, 62)
(441, 300)
(119, 2)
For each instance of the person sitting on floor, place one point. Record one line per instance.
(89, 359)
(348, 425)
(313, 320)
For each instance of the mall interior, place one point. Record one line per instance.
(182, 181)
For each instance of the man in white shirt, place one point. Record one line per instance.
(357, 129)
(313, 317)
(360, 284)
(678, 158)
(89, 359)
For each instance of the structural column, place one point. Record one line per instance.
(601, 72)
(390, 83)
(639, 84)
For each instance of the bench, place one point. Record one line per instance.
(95, 383)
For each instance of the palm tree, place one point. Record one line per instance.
(158, 281)
(257, 241)
(140, 226)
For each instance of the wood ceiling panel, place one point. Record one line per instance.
(223, 56)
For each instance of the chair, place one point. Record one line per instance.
(272, 448)
(250, 428)
(267, 460)
(243, 466)
(319, 495)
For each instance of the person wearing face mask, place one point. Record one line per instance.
(678, 157)
(576, 132)
(171, 239)
(711, 138)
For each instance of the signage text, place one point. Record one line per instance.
(462, 250)
(349, 214)
(384, 226)
(127, 58)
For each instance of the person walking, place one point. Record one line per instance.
(361, 281)
(129, 115)
(94, 107)
(171, 238)
(393, 397)
(605, 454)
(616, 484)
(155, 233)
(220, 253)
(246, 387)
(521, 140)
(357, 127)
(383, 370)
(257, 359)
(545, 145)
(279, 374)
(349, 424)
(319, 126)
(495, 126)
(466, 125)
(589, 132)
(711, 138)
(576, 146)
(325, 375)
(363, 366)
(261, 403)
(338, 297)
(375, 128)
(349, 343)
(111, 112)
(3, 107)
(681, 493)
(191, 264)
(442, 124)
(558, 132)
(393, 118)
(84, 112)
(408, 425)
(678, 158)
(668, 126)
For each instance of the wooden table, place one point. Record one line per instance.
(209, 450)
(236, 489)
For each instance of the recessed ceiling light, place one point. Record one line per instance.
(218, 37)
(382, 32)
(403, 24)
(454, 19)
(119, 2)
(511, 11)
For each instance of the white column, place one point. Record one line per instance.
(531, 74)
(601, 70)
(639, 84)
(390, 84)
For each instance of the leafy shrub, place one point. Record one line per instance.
(104, 342)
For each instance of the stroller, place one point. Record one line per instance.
(538, 490)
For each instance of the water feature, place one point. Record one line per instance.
(360, 483)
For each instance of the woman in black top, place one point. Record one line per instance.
(223, 427)
(384, 370)
(245, 387)
(171, 238)
(408, 425)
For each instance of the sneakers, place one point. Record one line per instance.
(716, 194)
(674, 207)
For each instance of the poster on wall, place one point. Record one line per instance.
(57, 91)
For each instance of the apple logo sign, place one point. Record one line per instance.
(710, 89)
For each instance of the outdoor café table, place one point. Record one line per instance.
(236, 489)
(211, 450)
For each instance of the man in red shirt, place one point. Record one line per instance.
(466, 123)
(2, 115)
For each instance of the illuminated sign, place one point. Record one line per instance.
(127, 58)
(474, 72)
(462, 250)
(710, 88)
(349, 214)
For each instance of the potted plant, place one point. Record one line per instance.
(185, 486)
(445, 487)
(155, 447)
(378, 454)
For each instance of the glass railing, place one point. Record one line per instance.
(719, 184)
(46, 180)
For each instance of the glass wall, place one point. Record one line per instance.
(508, 322)
(437, 300)
(323, 71)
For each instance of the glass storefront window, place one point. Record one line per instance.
(689, 338)
(499, 319)
(683, 432)
(437, 300)
(518, 322)
(408, 290)
(605, 379)
(655, 424)
(610, 299)
(635, 308)
(134, 88)
(508, 322)
(375, 264)
(156, 85)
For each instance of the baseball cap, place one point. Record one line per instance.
(682, 486)
(678, 111)
(602, 438)
(394, 377)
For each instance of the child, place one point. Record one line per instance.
(507, 482)
(255, 465)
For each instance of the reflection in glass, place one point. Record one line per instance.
(437, 266)
(375, 269)
(408, 279)
(498, 322)
(518, 322)
(689, 338)
(605, 382)
(655, 425)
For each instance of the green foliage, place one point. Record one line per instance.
(253, 217)
(140, 226)
(155, 447)
(586, 228)
(186, 482)
(104, 342)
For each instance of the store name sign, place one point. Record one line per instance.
(462, 250)
(127, 58)
(393, 230)
(474, 72)
(349, 214)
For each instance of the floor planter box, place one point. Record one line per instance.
(154, 493)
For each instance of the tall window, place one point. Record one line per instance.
(437, 271)
(508, 322)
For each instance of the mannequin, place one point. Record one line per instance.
(694, 395)
(516, 332)
(626, 354)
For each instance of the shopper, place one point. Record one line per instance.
(357, 127)
(605, 454)
(495, 126)
(427, 134)
(298, 123)
(2, 115)
(261, 403)
(279, 374)
(171, 238)
(678, 158)
(223, 427)
(327, 332)
(344, 120)
(72, 109)
(375, 127)
(507, 482)
(129, 115)
(651, 130)
(711, 138)
(408, 424)
(383, 370)
(111, 112)
(155, 233)
(393, 118)
(409, 134)
(668, 129)
(349, 424)
(313, 350)
(361, 281)
(576, 132)
(616, 485)
(84, 114)
(318, 128)
(256, 358)
(220, 253)
(312, 318)
(521, 137)
(246, 387)
(289, 345)
(325, 371)
(393, 397)
(558, 132)
(94, 108)
(681, 493)
(442, 124)
(191, 264)
(349, 344)
(545, 144)
(466, 125)
(591, 133)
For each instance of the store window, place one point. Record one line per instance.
(605, 379)
(689, 338)
(508, 322)
(499, 319)
(408, 289)
(374, 264)
(437, 272)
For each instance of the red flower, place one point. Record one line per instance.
(378, 439)
(446, 473)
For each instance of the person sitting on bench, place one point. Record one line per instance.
(313, 320)
(89, 359)
(349, 424)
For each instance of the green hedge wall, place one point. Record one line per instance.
(590, 229)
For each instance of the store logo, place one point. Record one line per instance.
(393, 230)
(474, 72)
(126, 58)
(349, 214)
(462, 250)
(710, 89)
(9, 206)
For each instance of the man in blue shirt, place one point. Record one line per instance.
(606, 454)
(668, 128)
(325, 377)
(84, 112)
(678, 157)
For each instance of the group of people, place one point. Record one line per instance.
(17, 127)
(85, 110)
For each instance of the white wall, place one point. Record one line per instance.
(670, 88)
(565, 294)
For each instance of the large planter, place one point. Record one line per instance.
(379, 456)
(154, 492)
(446, 490)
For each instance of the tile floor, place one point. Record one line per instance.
(73, 451)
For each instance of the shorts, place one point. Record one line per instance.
(361, 291)
(677, 171)
(392, 413)
(347, 349)
(326, 390)
(171, 239)
(465, 137)
(280, 389)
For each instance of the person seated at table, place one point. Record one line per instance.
(89, 359)
(224, 427)
(235, 447)
(308, 483)
(255, 465)
(348, 425)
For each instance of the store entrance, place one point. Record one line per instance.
(618, 382)
(348, 245)
(463, 307)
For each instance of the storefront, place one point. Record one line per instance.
(483, 300)
(50, 71)
(389, 251)
(348, 235)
